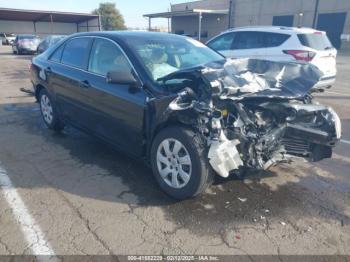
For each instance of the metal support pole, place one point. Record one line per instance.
(51, 23)
(199, 26)
(149, 24)
(230, 14)
(34, 23)
(315, 14)
(99, 22)
(168, 25)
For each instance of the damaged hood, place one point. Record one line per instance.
(252, 78)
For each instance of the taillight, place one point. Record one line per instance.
(301, 55)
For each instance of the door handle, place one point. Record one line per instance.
(84, 84)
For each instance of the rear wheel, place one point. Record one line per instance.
(180, 163)
(49, 112)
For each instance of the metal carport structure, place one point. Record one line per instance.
(185, 13)
(50, 18)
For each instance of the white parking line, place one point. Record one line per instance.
(345, 141)
(32, 232)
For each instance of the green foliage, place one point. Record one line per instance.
(111, 18)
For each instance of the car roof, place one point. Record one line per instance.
(122, 35)
(279, 29)
(26, 35)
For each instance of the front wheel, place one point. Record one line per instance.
(49, 112)
(180, 163)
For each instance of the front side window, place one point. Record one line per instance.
(106, 57)
(223, 42)
(76, 52)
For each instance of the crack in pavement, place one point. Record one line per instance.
(78, 213)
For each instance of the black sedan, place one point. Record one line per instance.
(182, 107)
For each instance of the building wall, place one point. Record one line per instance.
(44, 28)
(261, 12)
(204, 4)
(258, 12)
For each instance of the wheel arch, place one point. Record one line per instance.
(169, 122)
(37, 90)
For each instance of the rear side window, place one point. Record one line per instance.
(76, 52)
(56, 56)
(251, 39)
(223, 42)
(318, 41)
(275, 39)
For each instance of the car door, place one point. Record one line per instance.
(116, 111)
(65, 79)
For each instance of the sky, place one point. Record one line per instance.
(132, 10)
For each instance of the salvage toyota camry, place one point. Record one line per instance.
(181, 106)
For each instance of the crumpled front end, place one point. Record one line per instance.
(255, 114)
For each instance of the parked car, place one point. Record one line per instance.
(25, 44)
(7, 38)
(181, 106)
(280, 44)
(49, 41)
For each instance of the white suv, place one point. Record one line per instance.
(280, 44)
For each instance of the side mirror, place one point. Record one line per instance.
(122, 77)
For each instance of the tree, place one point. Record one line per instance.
(111, 18)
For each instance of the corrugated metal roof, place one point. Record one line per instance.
(43, 16)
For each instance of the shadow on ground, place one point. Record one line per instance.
(228, 203)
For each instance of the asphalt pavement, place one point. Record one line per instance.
(71, 194)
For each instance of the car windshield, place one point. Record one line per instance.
(166, 55)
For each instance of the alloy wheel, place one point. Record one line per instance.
(174, 163)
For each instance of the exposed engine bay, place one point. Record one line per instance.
(254, 113)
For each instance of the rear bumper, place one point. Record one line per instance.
(26, 49)
(326, 82)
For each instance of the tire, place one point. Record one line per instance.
(49, 112)
(198, 174)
